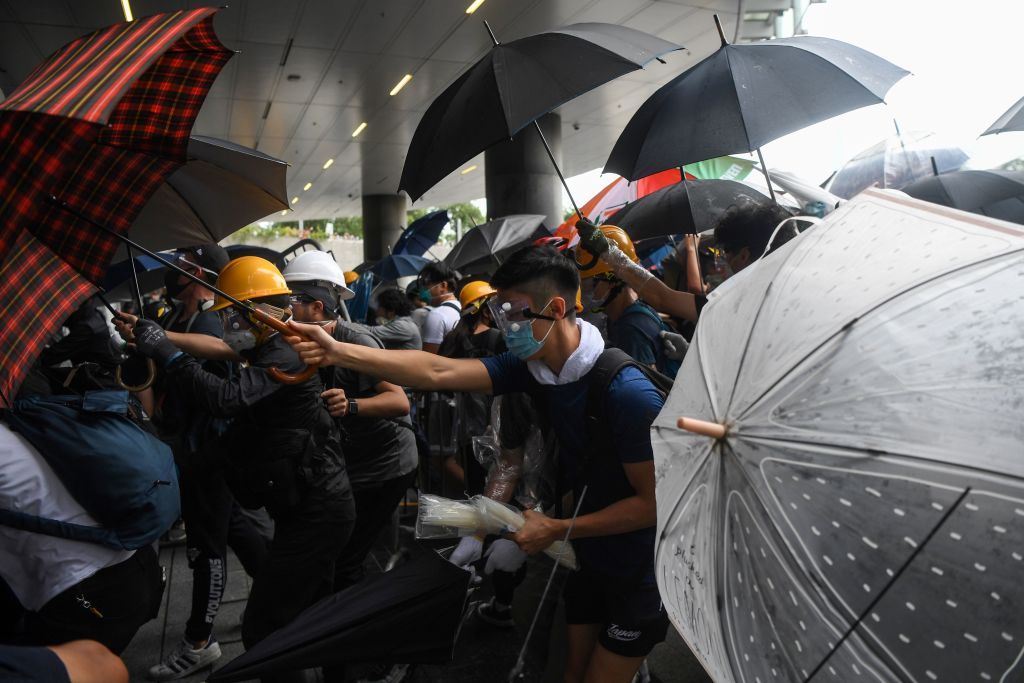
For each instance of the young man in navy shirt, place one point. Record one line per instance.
(613, 607)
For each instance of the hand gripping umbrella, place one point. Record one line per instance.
(744, 96)
(999, 194)
(514, 85)
(409, 615)
(849, 504)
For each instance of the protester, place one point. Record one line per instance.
(633, 326)
(743, 232)
(213, 520)
(420, 305)
(437, 283)
(612, 604)
(281, 449)
(78, 661)
(395, 326)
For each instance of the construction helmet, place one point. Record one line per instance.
(474, 294)
(249, 277)
(616, 236)
(351, 276)
(319, 269)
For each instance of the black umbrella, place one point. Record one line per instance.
(1011, 120)
(687, 207)
(483, 248)
(515, 84)
(408, 615)
(744, 96)
(999, 194)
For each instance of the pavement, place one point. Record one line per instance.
(483, 652)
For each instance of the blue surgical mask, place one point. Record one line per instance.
(520, 340)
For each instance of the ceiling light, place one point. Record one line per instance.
(127, 7)
(307, 186)
(327, 164)
(295, 200)
(401, 84)
(359, 129)
(468, 169)
(284, 212)
(474, 7)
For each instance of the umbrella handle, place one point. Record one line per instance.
(280, 376)
(590, 264)
(150, 366)
(702, 427)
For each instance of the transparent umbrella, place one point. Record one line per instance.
(851, 504)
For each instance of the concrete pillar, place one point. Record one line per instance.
(519, 177)
(383, 221)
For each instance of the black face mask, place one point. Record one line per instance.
(174, 287)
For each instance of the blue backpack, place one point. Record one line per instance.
(122, 475)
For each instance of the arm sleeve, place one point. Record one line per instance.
(508, 373)
(633, 403)
(433, 328)
(222, 397)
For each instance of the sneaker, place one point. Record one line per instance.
(495, 614)
(184, 661)
(386, 673)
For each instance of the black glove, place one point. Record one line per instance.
(151, 341)
(591, 237)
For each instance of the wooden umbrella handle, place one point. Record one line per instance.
(150, 366)
(280, 376)
(702, 427)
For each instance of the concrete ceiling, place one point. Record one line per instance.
(309, 71)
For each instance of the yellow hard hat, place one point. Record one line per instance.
(474, 294)
(618, 237)
(249, 277)
(351, 276)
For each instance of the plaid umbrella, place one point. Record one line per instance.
(99, 125)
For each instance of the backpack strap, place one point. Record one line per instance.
(452, 305)
(60, 529)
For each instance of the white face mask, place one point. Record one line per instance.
(240, 340)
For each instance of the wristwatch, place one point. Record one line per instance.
(353, 407)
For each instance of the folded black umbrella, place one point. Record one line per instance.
(999, 194)
(408, 615)
(687, 207)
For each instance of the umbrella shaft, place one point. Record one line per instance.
(554, 163)
(767, 178)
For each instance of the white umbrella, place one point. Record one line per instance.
(862, 516)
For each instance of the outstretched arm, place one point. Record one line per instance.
(415, 369)
(660, 296)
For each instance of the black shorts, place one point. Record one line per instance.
(629, 611)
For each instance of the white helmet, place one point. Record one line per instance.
(318, 268)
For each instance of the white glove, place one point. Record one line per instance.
(674, 345)
(622, 265)
(504, 555)
(467, 551)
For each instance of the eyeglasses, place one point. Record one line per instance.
(301, 299)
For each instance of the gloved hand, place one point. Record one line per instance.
(467, 552)
(591, 237)
(151, 341)
(504, 555)
(674, 345)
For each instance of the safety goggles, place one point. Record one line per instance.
(301, 299)
(509, 316)
(183, 260)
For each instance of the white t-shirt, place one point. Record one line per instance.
(38, 567)
(440, 321)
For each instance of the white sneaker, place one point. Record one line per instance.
(184, 661)
(386, 673)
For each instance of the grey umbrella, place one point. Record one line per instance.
(744, 96)
(223, 187)
(999, 194)
(1011, 120)
(482, 249)
(846, 501)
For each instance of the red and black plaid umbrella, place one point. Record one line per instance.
(99, 125)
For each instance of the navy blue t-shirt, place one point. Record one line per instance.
(633, 403)
(637, 333)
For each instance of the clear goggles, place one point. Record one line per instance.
(186, 260)
(511, 316)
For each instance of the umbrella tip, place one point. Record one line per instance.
(721, 31)
(702, 427)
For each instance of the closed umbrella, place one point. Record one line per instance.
(999, 194)
(688, 207)
(847, 500)
(483, 248)
(422, 234)
(744, 96)
(1011, 120)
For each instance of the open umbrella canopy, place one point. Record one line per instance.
(854, 510)
(896, 162)
(744, 96)
(119, 282)
(394, 266)
(514, 84)
(407, 615)
(1011, 120)
(687, 207)
(483, 248)
(999, 194)
(422, 234)
(96, 128)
